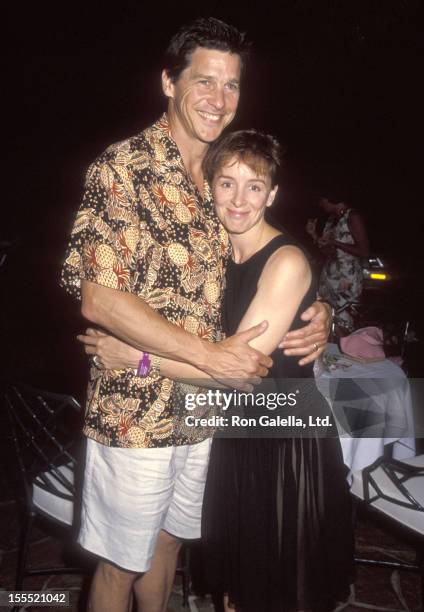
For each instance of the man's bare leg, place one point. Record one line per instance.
(111, 589)
(152, 590)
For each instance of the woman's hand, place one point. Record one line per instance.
(110, 353)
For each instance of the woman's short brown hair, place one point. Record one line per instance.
(261, 152)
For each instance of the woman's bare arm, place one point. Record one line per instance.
(284, 281)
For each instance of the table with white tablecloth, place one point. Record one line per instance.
(372, 406)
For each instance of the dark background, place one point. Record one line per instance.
(337, 81)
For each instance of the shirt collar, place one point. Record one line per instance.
(163, 129)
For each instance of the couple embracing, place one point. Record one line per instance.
(172, 257)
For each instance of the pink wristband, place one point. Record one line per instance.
(144, 366)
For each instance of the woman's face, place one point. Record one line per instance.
(241, 196)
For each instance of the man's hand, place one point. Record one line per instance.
(310, 340)
(234, 363)
(231, 361)
(110, 353)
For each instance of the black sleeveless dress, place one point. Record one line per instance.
(276, 524)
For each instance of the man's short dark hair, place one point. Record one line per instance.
(206, 32)
(261, 152)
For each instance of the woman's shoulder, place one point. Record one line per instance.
(285, 249)
(354, 217)
(285, 239)
(287, 264)
(289, 256)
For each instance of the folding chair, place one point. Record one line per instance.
(394, 491)
(45, 430)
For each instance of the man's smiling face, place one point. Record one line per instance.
(204, 99)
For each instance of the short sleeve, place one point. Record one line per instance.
(105, 235)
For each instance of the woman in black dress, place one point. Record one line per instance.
(276, 514)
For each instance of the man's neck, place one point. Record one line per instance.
(192, 151)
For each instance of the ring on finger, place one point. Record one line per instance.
(96, 361)
(316, 346)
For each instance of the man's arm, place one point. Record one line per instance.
(129, 318)
(114, 354)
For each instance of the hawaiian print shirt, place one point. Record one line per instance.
(143, 228)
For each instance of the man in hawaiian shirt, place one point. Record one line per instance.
(147, 258)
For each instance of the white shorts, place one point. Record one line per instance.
(130, 494)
